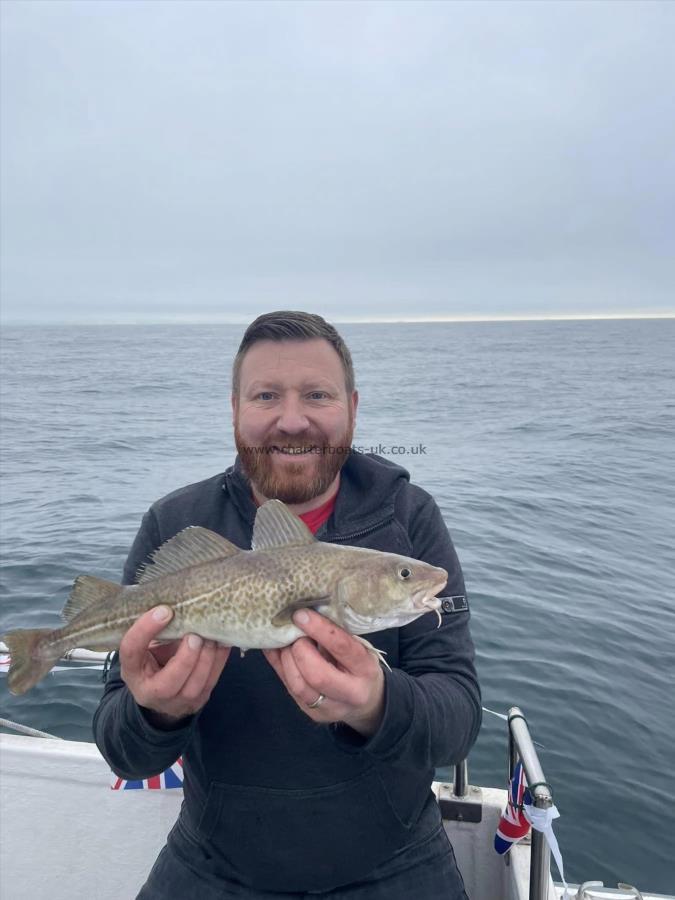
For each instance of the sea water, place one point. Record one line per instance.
(548, 447)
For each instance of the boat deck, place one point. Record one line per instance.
(60, 820)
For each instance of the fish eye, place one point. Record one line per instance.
(404, 572)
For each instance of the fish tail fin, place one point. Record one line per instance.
(27, 665)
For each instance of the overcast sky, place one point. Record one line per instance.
(215, 159)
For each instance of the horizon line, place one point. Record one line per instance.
(237, 319)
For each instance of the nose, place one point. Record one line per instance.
(292, 419)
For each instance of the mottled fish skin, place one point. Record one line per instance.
(244, 599)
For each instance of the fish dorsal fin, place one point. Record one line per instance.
(190, 547)
(276, 526)
(87, 590)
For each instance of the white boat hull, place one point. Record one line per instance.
(65, 834)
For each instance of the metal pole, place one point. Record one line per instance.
(540, 863)
(540, 857)
(533, 771)
(513, 756)
(461, 779)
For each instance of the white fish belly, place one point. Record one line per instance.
(264, 637)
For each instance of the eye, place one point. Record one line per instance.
(318, 395)
(264, 395)
(404, 573)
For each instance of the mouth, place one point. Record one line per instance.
(294, 451)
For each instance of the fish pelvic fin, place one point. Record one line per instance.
(276, 526)
(379, 654)
(26, 666)
(87, 590)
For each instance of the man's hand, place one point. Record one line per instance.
(172, 680)
(340, 668)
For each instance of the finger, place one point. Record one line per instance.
(302, 692)
(347, 651)
(280, 660)
(222, 655)
(323, 677)
(169, 681)
(273, 657)
(135, 643)
(327, 655)
(220, 658)
(164, 651)
(196, 680)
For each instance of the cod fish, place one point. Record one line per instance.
(240, 598)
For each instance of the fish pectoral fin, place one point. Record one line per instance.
(285, 615)
(276, 526)
(190, 547)
(87, 590)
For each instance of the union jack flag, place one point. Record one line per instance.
(513, 826)
(169, 778)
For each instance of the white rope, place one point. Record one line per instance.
(24, 729)
(493, 713)
(78, 655)
(542, 820)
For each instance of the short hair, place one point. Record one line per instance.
(292, 325)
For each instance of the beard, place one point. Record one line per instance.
(293, 484)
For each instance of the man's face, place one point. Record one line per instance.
(293, 420)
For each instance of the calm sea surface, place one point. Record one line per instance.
(549, 448)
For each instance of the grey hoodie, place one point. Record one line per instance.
(272, 799)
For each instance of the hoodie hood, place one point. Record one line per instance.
(366, 496)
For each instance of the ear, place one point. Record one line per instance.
(355, 403)
(234, 399)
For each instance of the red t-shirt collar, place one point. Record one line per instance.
(314, 518)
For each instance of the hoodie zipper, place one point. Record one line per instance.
(336, 538)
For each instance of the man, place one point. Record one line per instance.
(307, 769)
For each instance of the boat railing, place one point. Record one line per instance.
(521, 747)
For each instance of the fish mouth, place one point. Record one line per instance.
(426, 597)
(427, 600)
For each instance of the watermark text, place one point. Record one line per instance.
(378, 449)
